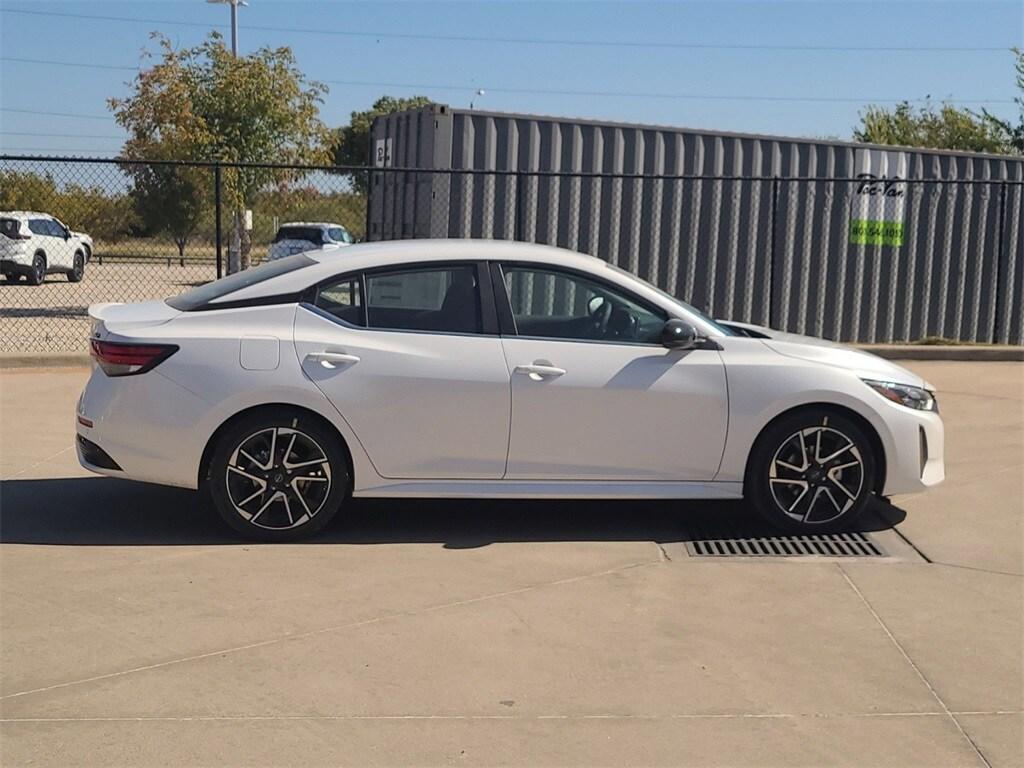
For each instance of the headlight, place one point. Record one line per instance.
(912, 397)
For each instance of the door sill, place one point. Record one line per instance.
(552, 489)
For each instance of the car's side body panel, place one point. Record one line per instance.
(764, 384)
(626, 412)
(425, 405)
(196, 390)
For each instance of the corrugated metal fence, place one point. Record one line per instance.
(748, 228)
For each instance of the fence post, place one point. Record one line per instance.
(518, 233)
(1000, 269)
(771, 252)
(216, 217)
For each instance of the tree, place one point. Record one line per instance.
(945, 127)
(352, 142)
(1014, 133)
(204, 104)
(26, 191)
(169, 199)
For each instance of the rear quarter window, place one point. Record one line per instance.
(9, 227)
(200, 298)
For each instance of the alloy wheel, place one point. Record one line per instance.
(816, 475)
(278, 478)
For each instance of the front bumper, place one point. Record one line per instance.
(914, 450)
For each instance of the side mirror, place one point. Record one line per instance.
(677, 334)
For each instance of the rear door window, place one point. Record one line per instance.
(440, 299)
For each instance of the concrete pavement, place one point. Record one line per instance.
(135, 631)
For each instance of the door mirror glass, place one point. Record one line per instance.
(677, 334)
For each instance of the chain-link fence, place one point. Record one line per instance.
(848, 259)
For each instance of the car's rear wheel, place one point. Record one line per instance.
(278, 476)
(77, 269)
(811, 472)
(38, 271)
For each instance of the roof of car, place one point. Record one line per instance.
(311, 224)
(383, 252)
(23, 214)
(398, 252)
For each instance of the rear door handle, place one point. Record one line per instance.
(332, 359)
(538, 371)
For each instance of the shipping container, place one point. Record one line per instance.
(837, 239)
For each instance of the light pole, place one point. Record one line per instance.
(235, 245)
(234, 20)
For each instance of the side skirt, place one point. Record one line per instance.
(551, 489)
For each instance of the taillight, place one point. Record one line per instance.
(125, 359)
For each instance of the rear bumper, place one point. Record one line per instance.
(142, 428)
(15, 265)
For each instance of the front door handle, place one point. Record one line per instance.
(540, 370)
(332, 359)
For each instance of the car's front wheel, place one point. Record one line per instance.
(77, 271)
(811, 472)
(278, 476)
(38, 272)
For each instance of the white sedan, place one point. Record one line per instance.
(460, 368)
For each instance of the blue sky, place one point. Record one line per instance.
(652, 71)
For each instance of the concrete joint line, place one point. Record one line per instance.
(326, 630)
(917, 670)
(521, 718)
(41, 461)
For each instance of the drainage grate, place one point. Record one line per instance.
(824, 545)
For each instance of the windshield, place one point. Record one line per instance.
(339, 235)
(204, 294)
(679, 302)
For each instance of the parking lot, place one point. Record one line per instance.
(54, 317)
(135, 631)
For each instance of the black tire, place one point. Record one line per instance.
(279, 511)
(11, 278)
(819, 487)
(38, 273)
(77, 272)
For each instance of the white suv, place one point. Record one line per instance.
(300, 236)
(36, 244)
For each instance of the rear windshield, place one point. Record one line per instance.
(309, 234)
(204, 294)
(9, 227)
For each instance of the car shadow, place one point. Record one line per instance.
(111, 512)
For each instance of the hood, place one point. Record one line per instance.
(815, 350)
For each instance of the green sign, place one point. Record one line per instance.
(876, 232)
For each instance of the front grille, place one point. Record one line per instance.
(719, 544)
